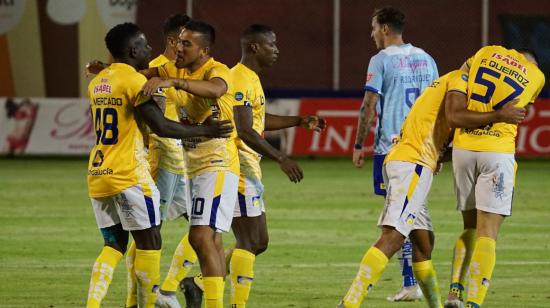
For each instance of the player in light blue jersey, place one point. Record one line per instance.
(395, 78)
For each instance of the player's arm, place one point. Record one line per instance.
(213, 88)
(243, 123)
(163, 127)
(458, 115)
(276, 122)
(366, 115)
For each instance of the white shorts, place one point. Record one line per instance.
(484, 181)
(406, 208)
(174, 194)
(134, 209)
(213, 197)
(250, 201)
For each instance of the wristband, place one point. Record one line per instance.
(358, 146)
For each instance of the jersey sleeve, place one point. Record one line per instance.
(163, 70)
(375, 74)
(135, 90)
(241, 90)
(435, 71)
(541, 81)
(457, 82)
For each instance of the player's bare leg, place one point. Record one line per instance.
(464, 247)
(423, 242)
(252, 239)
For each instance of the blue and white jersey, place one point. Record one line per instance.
(398, 74)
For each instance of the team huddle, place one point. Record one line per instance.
(181, 136)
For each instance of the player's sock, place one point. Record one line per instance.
(372, 265)
(481, 270)
(464, 247)
(102, 275)
(213, 292)
(242, 276)
(147, 268)
(131, 294)
(199, 281)
(405, 260)
(427, 279)
(182, 261)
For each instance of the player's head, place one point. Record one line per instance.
(194, 43)
(128, 44)
(172, 28)
(387, 21)
(260, 42)
(529, 54)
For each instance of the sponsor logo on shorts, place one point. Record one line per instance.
(256, 201)
(410, 219)
(498, 185)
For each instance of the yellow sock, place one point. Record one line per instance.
(464, 247)
(426, 276)
(481, 270)
(102, 275)
(242, 276)
(182, 261)
(213, 292)
(131, 294)
(372, 265)
(198, 281)
(147, 268)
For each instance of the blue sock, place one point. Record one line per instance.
(405, 260)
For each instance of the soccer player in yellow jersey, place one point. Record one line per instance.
(483, 162)
(212, 164)
(408, 172)
(123, 195)
(259, 51)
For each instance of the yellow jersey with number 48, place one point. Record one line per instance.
(497, 76)
(425, 133)
(117, 160)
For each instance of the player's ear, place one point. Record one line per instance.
(254, 47)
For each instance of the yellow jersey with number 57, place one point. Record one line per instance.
(117, 160)
(497, 76)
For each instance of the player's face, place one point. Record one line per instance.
(377, 34)
(267, 51)
(141, 51)
(189, 49)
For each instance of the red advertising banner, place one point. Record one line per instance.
(533, 138)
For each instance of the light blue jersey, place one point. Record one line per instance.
(398, 74)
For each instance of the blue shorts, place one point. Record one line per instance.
(377, 178)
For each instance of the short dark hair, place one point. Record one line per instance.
(173, 24)
(392, 17)
(118, 37)
(207, 31)
(531, 52)
(256, 29)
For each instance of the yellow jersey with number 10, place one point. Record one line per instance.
(425, 133)
(117, 160)
(497, 76)
(248, 91)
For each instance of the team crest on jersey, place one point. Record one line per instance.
(239, 96)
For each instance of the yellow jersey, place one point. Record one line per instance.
(248, 91)
(117, 160)
(425, 133)
(202, 154)
(497, 76)
(166, 153)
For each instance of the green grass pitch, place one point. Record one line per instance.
(319, 230)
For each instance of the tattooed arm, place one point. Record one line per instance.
(366, 115)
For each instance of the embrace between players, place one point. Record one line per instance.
(184, 99)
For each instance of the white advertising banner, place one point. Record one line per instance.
(10, 14)
(45, 126)
(114, 12)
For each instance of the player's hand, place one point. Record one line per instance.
(218, 129)
(291, 169)
(94, 67)
(313, 123)
(154, 83)
(512, 114)
(358, 158)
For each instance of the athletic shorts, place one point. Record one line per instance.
(484, 181)
(377, 177)
(213, 197)
(132, 208)
(174, 194)
(406, 208)
(250, 201)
